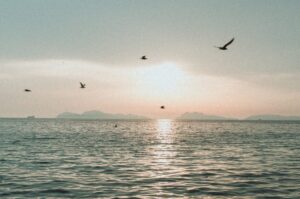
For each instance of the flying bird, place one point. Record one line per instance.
(162, 107)
(225, 46)
(27, 90)
(82, 85)
(144, 57)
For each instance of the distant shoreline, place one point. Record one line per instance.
(177, 120)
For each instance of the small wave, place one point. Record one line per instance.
(41, 138)
(34, 193)
(198, 190)
(55, 191)
(42, 162)
(15, 193)
(16, 141)
(204, 174)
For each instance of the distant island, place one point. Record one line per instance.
(186, 116)
(100, 115)
(201, 116)
(272, 117)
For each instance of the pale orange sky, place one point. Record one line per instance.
(50, 46)
(138, 90)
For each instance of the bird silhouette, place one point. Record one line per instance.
(82, 85)
(27, 90)
(225, 46)
(144, 57)
(162, 107)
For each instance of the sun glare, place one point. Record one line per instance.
(165, 130)
(165, 136)
(161, 80)
(164, 126)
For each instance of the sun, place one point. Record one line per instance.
(166, 79)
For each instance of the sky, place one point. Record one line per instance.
(50, 46)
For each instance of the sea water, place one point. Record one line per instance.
(51, 158)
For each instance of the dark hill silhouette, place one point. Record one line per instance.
(272, 117)
(99, 115)
(201, 116)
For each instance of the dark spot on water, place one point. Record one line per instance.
(109, 170)
(55, 191)
(221, 193)
(16, 142)
(2, 178)
(198, 190)
(127, 197)
(42, 162)
(41, 138)
(193, 175)
(15, 193)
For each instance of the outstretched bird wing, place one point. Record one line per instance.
(228, 43)
(82, 84)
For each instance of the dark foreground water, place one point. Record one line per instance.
(150, 159)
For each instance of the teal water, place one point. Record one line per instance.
(148, 159)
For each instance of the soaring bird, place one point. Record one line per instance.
(225, 46)
(82, 85)
(144, 57)
(162, 107)
(27, 90)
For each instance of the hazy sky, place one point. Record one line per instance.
(50, 46)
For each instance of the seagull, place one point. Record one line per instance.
(27, 90)
(82, 85)
(144, 57)
(225, 46)
(162, 107)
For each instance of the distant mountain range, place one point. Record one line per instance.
(272, 117)
(99, 115)
(186, 116)
(201, 116)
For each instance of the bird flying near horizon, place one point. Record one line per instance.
(27, 90)
(82, 85)
(162, 107)
(225, 46)
(144, 57)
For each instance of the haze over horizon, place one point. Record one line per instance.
(51, 46)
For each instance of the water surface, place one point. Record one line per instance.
(148, 159)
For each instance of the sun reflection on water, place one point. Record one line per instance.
(164, 130)
(164, 150)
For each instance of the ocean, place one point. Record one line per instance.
(51, 158)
